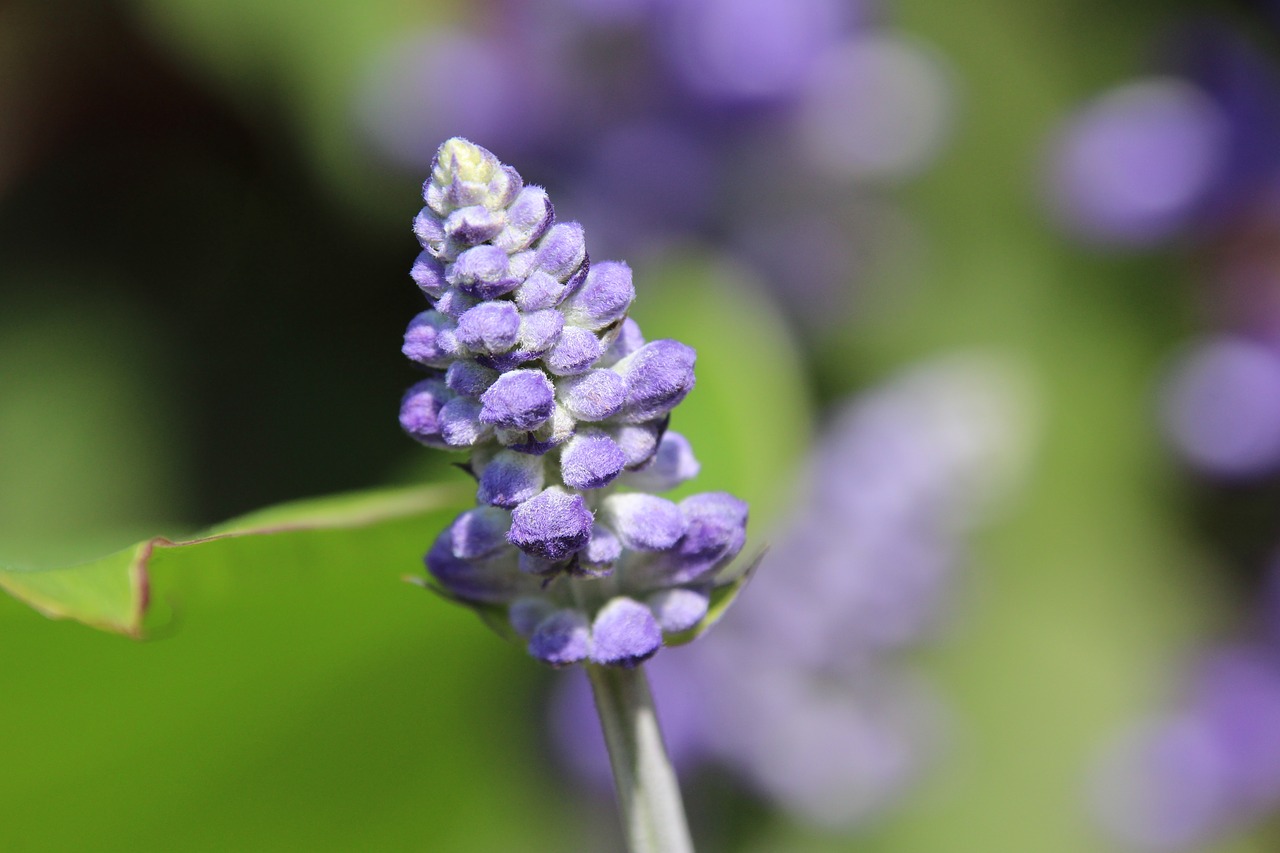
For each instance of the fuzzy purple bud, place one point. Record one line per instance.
(640, 441)
(468, 378)
(528, 218)
(574, 353)
(539, 331)
(715, 531)
(460, 423)
(658, 375)
(431, 340)
(420, 411)
(673, 464)
(593, 396)
(604, 297)
(624, 633)
(472, 225)
(510, 479)
(490, 327)
(627, 340)
(679, 609)
(428, 274)
(552, 525)
(479, 532)
(591, 460)
(483, 271)
(520, 399)
(539, 291)
(561, 638)
(602, 551)
(563, 250)
(644, 522)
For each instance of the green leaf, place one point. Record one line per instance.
(113, 593)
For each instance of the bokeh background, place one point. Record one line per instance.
(987, 301)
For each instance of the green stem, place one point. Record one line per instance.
(648, 794)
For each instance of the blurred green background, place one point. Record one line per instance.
(202, 285)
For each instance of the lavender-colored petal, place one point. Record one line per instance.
(640, 441)
(673, 464)
(591, 460)
(460, 423)
(510, 479)
(562, 250)
(539, 331)
(521, 399)
(604, 297)
(561, 639)
(593, 396)
(528, 218)
(469, 379)
(644, 522)
(431, 339)
(490, 327)
(624, 633)
(428, 274)
(420, 411)
(574, 353)
(658, 375)
(539, 291)
(679, 609)
(479, 532)
(552, 525)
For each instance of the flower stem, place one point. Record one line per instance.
(648, 794)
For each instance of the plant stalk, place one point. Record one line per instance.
(648, 795)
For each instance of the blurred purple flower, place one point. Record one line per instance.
(1134, 166)
(1221, 407)
(1208, 768)
(800, 691)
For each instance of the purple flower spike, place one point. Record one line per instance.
(644, 522)
(562, 250)
(460, 423)
(658, 375)
(539, 291)
(624, 633)
(552, 525)
(673, 464)
(574, 353)
(431, 340)
(510, 479)
(591, 460)
(420, 411)
(594, 395)
(479, 532)
(468, 378)
(679, 609)
(536, 369)
(716, 530)
(428, 274)
(604, 297)
(520, 399)
(561, 639)
(490, 327)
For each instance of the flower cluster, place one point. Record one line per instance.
(536, 369)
